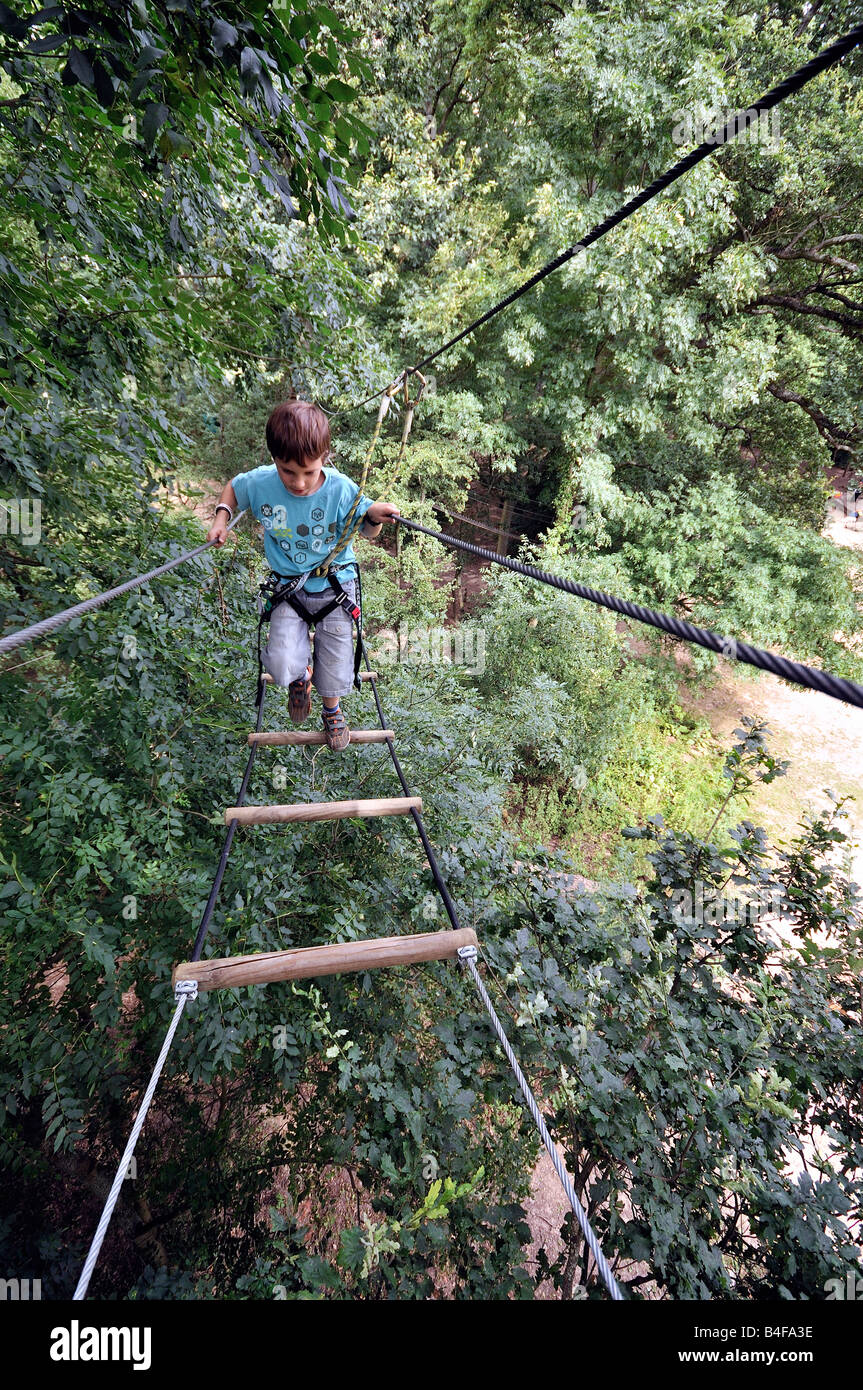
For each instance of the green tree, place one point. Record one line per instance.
(711, 342)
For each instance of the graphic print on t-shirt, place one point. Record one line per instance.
(300, 531)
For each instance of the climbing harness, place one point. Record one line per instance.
(279, 588)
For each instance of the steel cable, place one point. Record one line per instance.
(41, 629)
(795, 671)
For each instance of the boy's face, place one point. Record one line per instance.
(301, 478)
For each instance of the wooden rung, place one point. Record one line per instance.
(364, 676)
(276, 740)
(323, 810)
(233, 971)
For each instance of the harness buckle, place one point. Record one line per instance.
(276, 588)
(349, 607)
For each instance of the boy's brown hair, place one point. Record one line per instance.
(298, 431)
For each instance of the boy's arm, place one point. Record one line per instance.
(377, 514)
(218, 532)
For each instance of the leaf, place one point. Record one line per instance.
(272, 99)
(324, 15)
(79, 65)
(141, 81)
(320, 65)
(155, 117)
(295, 53)
(149, 56)
(340, 91)
(351, 1249)
(42, 16)
(249, 61)
(224, 35)
(105, 90)
(45, 45)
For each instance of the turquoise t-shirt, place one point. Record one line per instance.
(300, 531)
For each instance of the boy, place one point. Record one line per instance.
(303, 505)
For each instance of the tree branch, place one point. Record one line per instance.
(853, 327)
(826, 427)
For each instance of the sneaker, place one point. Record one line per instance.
(300, 698)
(338, 735)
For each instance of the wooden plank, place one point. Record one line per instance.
(364, 676)
(301, 736)
(231, 972)
(323, 810)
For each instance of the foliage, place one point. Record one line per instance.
(705, 1078)
(684, 383)
(148, 243)
(216, 231)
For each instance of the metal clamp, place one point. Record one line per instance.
(466, 953)
(408, 373)
(185, 989)
(387, 398)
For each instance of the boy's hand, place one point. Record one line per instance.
(218, 532)
(379, 512)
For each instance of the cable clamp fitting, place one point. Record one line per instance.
(388, 395)
(466, 953)
(185, 989)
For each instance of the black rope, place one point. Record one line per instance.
(848, 691)
(826, 59)
(229, 838)
(440, 883)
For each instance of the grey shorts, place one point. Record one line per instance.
(289, 650)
